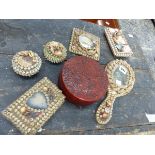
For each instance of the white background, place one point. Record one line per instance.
(72, 9)
(77, 145)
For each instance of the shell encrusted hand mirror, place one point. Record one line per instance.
(121, 80)
(117, 42)
(84, 43)
(31, 110)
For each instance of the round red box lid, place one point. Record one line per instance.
(83, 80)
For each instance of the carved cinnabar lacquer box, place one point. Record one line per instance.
(83, 80)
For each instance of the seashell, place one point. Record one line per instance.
(119, 40)
(58, 53)
(104, 115)
(31, 54)
(112, 30)
(23, 110)
(91, 52)
(96, 55)
(126, 49)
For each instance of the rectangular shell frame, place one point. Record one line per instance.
(28, 125)
(112, 44)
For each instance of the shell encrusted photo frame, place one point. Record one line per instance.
(118, 42)
(35, 107)
(84, 43)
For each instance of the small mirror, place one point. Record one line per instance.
(86, 42)
(121, 80)
(120, 76)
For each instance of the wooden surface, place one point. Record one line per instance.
(104, 22)
(129, 111)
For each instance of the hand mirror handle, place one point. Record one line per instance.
(104, 111)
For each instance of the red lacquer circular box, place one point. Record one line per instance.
(83, 80)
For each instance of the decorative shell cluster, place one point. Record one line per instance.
(104, 112)
(77, 48)
(55, 52)
(29, 120)
(26, 63)
(118, 43)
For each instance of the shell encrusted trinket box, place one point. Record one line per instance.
(35, 107)
(26, 63)
(55, 52)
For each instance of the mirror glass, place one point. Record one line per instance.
(120, 76)
(86, 42)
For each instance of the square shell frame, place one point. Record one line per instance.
(76, 48)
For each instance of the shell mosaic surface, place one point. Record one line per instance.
(84, 43)
(35, 107)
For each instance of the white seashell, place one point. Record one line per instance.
(112, 30)
(126, 49)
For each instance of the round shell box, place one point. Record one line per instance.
(83, 80)
(55, 52)
(26, 63)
